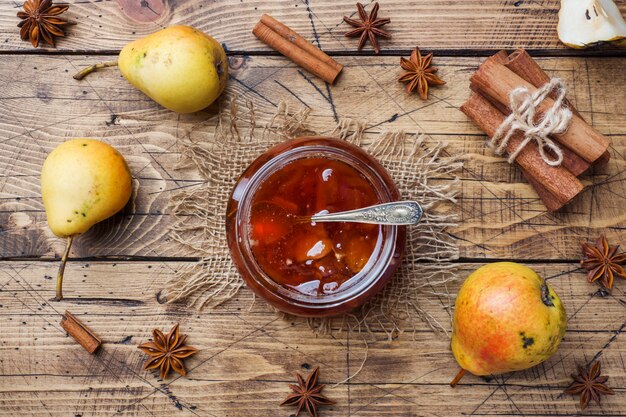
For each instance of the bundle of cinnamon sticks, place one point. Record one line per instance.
(289, 43)
(488, 106)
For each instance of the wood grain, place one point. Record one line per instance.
(248, 353)
(436, 25)
(500, 215)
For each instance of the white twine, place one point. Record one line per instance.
(522, 118)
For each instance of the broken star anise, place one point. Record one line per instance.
(368, 27)
(40, 20)
(167, 351)
(603, 262)
(419, 74)
(307, 395)
(589, 384)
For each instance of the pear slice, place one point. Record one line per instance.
(583, 23)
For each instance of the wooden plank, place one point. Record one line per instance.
(248, 353)
(438, 24)
(500, 216)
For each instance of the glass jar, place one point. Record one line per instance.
(332, 298)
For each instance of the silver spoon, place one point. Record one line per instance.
(398, 213)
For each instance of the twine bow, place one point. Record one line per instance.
(522, 118)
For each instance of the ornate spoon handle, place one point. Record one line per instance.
(397, 213)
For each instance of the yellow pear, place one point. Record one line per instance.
(506, 318)
(83, 181)
(179, 67)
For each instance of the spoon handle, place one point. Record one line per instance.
(397, 213)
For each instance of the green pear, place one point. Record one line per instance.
(83, 181)
(179, 67)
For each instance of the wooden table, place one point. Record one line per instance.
(248, 353)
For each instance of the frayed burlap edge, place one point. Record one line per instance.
(419, 166)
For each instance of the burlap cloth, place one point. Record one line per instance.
(418, 165)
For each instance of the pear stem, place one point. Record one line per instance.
(457, 378)
(59, 295)
(86, 71)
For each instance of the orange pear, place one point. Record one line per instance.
(506, 318)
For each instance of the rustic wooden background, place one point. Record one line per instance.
(248, 353)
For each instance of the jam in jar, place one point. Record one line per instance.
(306, 268)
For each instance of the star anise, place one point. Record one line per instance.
(307, 394)
(603, 262)
(40, 21)
(368, 27)
(167, 351)
(589, 384)
(419, 74)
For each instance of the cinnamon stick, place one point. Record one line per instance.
(572, 162)
(501, 57)
(80, 332)
(521, 63)
(479, 105)
(556, 186)
(280, 37)
(497, 82)
(293, 36)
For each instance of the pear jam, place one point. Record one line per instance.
(303, 268)
(312, 258)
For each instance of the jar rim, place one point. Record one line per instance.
(363, 163)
